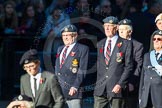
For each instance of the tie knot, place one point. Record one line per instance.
(109, 40)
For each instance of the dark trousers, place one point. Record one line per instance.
(132, 102)
(104, 102)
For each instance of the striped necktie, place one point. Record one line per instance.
(108, 52)
(63, 56)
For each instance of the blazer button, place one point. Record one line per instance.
(107, 68)
(150, 77)
(59, 73)
(107, 76)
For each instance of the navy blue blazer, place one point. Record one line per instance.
(73, 70)
(137, 66)
(118, 69)
(150, 83)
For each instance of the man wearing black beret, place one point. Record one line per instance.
(125, 31)
(114, 65)
(39, 84)
(21, 101)
(71, 66)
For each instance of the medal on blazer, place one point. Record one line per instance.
(74, 67)
(119, 57)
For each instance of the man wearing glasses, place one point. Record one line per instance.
(71, 66)
(150, 92)
(39, 84)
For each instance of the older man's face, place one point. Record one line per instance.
(157, 41)
(69, 37)
(159, 24)
(110, 29)
(124, 31)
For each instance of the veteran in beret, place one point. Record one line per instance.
(21, 101)
(125, 31)
(71, 66)
(150, 92)
(158, 22)
(39, 84)
(114, 65)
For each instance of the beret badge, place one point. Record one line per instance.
(160, 32)
(66, 29)
(26, 61)
(111, 21)
(20, 97)
(124, 21)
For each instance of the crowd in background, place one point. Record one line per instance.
(44, 18)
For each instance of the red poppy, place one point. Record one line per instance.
(72, 54)
(41, 81)
(57, 55)
(119, 44)
(121, 54)
(101, 50)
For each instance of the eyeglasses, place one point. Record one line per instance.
(30, 66)
(158, 39)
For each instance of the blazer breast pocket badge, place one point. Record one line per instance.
(74, 66)
(119, 57)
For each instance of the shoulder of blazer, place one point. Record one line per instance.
(48, 74)
(101, 42)
(137, 42)
(81, 45)
(147, 55)
(25, 77)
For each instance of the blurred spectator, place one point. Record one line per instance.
(41, 17)
(141, 23)
(56, 21)
(79, 7)
(85, 23)
(1, 9)
(28, 24)
(158, 22)
(103, 10)
(21, 101)
(9, 21)
(121, 8)
(20, 5)
(55, 3)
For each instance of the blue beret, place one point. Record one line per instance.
(125, 22)
(69, 28)
(111, 20)
(157, 32)
(29, 56)
(22, 98)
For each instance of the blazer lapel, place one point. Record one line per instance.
(101, 52)
(41, 84)
(115, 51)
(71, 54)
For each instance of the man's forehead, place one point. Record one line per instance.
(68, 33)
(31, 63)
(159, 36)
(123, 26)
(109, 24)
